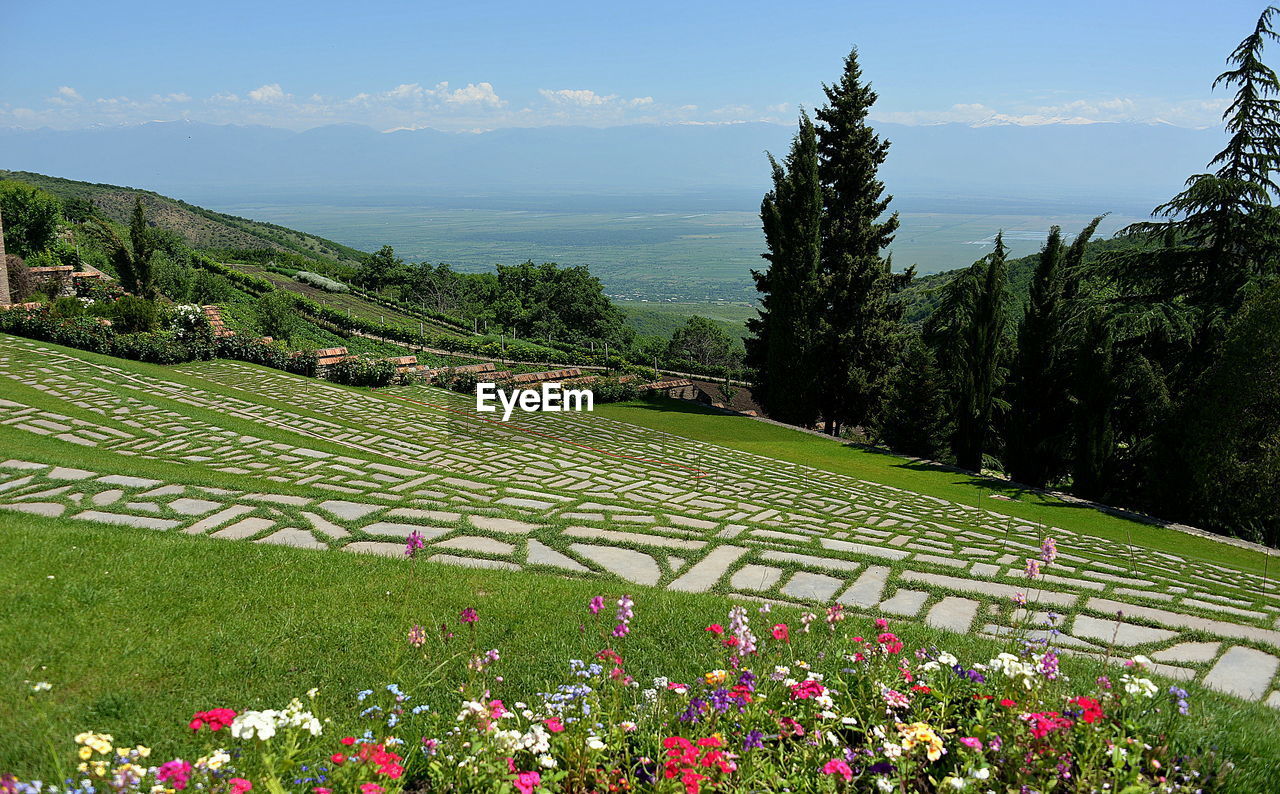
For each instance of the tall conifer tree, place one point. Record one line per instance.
(860, 318)
(782, 347)
(969, 329)
(1039, 432)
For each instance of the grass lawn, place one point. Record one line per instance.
(136, 630)
(691, 420)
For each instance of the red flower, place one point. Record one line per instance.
(338, 758)
(348, 740)
(806, 689)
(216, 719)
(731, 642)
(1007, 703)
(837, 767)
(715, 628)
(1090, 709)
(921, 688)
(780, 632)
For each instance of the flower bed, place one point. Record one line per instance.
(828, 703)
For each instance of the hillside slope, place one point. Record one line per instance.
(199, 227)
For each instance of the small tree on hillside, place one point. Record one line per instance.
(132, 260)
(30, 218)
(913, 418)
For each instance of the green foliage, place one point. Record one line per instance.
(860, 317)
(380, 269)
(30, 218)
(22, 285)
(210, 288)
(550, 302)
(58, 324)
(131, 260)
(1039, 428)
(704, 343)
(78, 209)
(132, 314)
(969, 333)
(613, 390)
(363, 371)
(783, 348)
(913, 419)
(1228, 445)
(277, 314)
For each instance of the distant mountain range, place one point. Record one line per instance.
(1089, 164)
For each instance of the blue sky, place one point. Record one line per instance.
(488, 65)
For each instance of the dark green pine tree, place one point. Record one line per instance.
(860, 318)
(1094, 379)
(781, 349)
(913, 417)
(1224, 230)
(1037, 438)
(969, 331)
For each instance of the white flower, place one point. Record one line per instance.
(892, 750)
(508, 741)
(251, 724)
(884, 784)
(956, 783)
(1139, 686)
(947, 659)
(650, 694)
(661, 682)
(215, 760)
(930, 666)
(982, 774)
(537, 740)
(547, 762)
(41, 686)
(594, 743)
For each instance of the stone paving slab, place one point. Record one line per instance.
(953, 614)
(755, 577)
(477, 544)
(905, 603)
(473, 562)
(541, 554)
(298, 538)
(141, 522)
(1124, 634)
(866, 590)
(807, 586)
(626, 563)
(707, 572)
(244, 528)
(1188, 652)
(1243, 672)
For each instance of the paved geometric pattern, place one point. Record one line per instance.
(578, 494)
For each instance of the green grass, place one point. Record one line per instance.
(694, 421)
(655, 318)
(136, 630)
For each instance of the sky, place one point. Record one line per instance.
(482, 65)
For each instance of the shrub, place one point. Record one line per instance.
(462, 382)
(207, 288)
(131, 314)
(62, 308)
(363, 371)
(277, 314)
(612, 390)
(323, 282)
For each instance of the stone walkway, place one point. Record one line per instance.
(564, 493)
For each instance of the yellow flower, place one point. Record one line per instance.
(715, 677)
(142, 752)
(85, 752)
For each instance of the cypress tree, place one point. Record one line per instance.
(131, 260)
(913, 418)
(860, 318)
(1039, 429)
(781, 349)
(969, 331)
(1094, 387)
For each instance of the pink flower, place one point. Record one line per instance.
(239, 785)
(1033, 568)
(896, 699)
(806, 689)
(596, 605)
(882, 624)
(526, 782)
(417, 636)
(467, 615)
(414, 543)
(554, 724)
(715, 628)
(177, 771)
(972, 743)
(837, 767)
(372, 788)
(780, 632)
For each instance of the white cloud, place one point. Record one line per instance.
(268, 93)
(68, 93)
(1186, 113)
(473, 93)
(577, 96)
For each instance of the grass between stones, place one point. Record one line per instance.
(691, 420)
(137, 629)
(342, 466)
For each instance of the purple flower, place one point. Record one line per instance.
(596, 605)
(748, 679)
(623, 616)
(1049, 551)
(1033, 568)
(694, 712)
(415, 543)
(1179, 696)
(753, 740)
(468, 615)
(417, 636)
(1049, 665)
